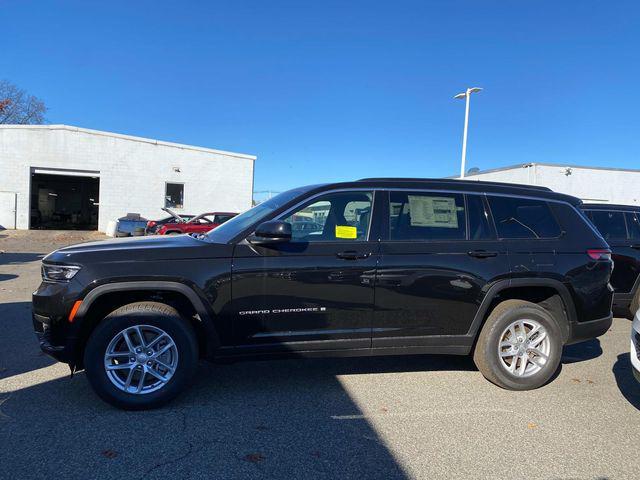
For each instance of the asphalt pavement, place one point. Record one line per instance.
(388, 417)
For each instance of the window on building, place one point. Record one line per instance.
(174, 195)
(610, 224)
(426, 216)
(342, 216)
(523, 218)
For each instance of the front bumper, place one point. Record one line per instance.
(62, 350)
(581, 331)
(51, 304)
(634, 351)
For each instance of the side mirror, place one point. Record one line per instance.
(273, 231)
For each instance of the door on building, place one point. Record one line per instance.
(64, 202)
(8, 206)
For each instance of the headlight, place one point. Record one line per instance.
(58, 273)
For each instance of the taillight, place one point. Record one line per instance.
(151, 223)
(599, 254)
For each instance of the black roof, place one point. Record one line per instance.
(460, 185)
(610, 206)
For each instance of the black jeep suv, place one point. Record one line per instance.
(620, 227)
(506, 273)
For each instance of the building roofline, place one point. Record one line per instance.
(547, 164)
(152, 141)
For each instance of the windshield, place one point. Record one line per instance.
(228, 230)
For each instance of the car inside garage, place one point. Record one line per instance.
(64, 202)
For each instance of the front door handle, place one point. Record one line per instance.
(352, 255)
(636, 247)
(482, 254)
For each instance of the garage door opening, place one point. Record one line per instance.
(64, 202)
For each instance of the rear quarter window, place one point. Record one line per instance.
(523, 218)
(633, 223)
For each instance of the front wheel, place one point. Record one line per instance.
(141, 356)
(519, 347)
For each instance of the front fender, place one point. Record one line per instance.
(205, 315)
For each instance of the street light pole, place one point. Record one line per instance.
(467, 96)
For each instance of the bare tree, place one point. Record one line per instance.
(18, 107)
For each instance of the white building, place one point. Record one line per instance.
(57, 176)
(591, 184)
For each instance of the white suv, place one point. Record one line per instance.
(635, 346)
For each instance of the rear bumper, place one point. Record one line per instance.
(581, 331)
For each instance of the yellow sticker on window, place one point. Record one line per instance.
(346, 231)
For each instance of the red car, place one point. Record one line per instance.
(154, 225)
(200, 224)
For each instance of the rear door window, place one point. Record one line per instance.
(479, 223)
(523, 218)
(420, 216)
(610, 224)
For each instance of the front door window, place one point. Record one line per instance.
(335, 217)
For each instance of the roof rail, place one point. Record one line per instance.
(453, 181)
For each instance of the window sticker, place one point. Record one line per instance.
(433, 211)
(346, 231)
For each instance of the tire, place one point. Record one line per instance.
(138, 232)
(122, 234)
(496, 337)
(151, 318)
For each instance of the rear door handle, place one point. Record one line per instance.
(482, 254)
(352, 255)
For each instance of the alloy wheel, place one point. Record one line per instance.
(141, 359)
(524, 348)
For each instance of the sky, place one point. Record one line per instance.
(339, 90)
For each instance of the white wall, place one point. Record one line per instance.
(133, 170)
(589, 184)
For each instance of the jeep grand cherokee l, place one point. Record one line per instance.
(620, 227)
(508, 274)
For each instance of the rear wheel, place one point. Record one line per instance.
(519, 347)
(141, 356)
